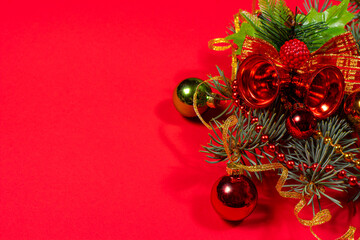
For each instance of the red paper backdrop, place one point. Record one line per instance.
(90, 144)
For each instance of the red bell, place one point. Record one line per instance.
(260, 80)
(325, 91)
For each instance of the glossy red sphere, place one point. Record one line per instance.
(264, 138)
(341, 174)
(280, 157)
(301, 123)
(314, 166)
(258, 128)
(272, 147)
(329, 168)
(254, 120)
(303, 166)
(234, 197)
(353, 181)
(290, 164)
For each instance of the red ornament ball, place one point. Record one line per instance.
(234, 197)
(294, 53)
(301, 123)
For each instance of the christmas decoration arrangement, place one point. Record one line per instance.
(291, 104)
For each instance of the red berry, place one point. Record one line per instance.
(237, 102)
(294, 53)
(329, 168)
(235, 95)
(352, 181)
(272, 147)
(254, 120)
(264, 138)
(303, 166)
(258, 128)
(314, 166)
(341, 174)
(280, 157)
(290, 164)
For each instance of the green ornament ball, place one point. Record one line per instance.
(184, 94)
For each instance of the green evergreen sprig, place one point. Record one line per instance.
(309, 4)
(311, 151)
(245, 143)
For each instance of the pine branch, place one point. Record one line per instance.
(245, 143)
(313, 151)
(308, 4)
(354, 28)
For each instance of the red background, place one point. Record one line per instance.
(90, 144)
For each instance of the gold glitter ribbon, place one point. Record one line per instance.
(217, 78)
(222, 44)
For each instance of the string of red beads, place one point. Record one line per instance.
(290, 164)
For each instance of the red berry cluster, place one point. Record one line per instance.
(294, 53)
(236, 93)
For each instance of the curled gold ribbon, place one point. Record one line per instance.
(349, 235)
(214, 44)
(222, 44)
(217, 78)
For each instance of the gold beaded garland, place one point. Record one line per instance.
(357, 163)
(327, 140)
(338, 148)
(318, 135)
(349, 157)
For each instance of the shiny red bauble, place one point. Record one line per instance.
(294, 53)
(234, 197)
(301, 123)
